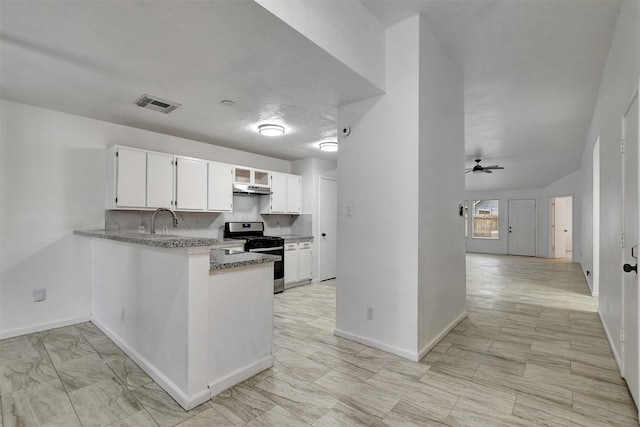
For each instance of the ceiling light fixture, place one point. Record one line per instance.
(271, 130)
(329, 146)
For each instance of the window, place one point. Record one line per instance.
(485, 219)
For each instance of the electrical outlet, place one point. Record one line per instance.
(370, 313)
(39, 295)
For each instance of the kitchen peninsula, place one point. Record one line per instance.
(195, 316)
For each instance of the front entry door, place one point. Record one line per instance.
(522, 227)
(630, 249)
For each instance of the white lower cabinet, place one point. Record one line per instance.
(290, 263)
(304, 261)
(297, 263)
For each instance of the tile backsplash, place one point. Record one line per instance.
(211, 224)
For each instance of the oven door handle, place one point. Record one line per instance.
(267, 249)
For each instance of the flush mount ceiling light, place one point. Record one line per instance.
(329, 146)
(271, 130)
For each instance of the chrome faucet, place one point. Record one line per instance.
(153, 218)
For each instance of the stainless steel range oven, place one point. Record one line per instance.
(253, 233)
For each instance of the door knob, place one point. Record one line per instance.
(628, 268)
(324, 234)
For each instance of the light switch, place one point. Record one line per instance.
(349, 210)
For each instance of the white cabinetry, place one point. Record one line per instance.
(159, 180)
(290, 263)
(139, 179)
(286, 195)
(304, 261)
(191, 184)
(250, 176)
(294, 194)
(220, 187)
(297, 263)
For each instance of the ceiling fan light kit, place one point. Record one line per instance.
(478, 168)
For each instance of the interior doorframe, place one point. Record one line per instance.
(595, 279)
(552, 219)
(634, 98)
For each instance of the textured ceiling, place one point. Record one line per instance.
(531, 68)
(95, 58)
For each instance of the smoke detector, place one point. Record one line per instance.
(156, 104)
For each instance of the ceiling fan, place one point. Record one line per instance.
(478, 168)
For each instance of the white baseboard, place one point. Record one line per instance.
(184, 400)
(414, 356)
(407, 354)
(587, 277)
(236, 377)
(616, 355)
(42, 327)
(435, 340)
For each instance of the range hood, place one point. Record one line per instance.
(250, 189)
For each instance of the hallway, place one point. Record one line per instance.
(531, 352)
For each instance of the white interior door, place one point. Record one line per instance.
(522, 227)
(328, 227)
(630, 230)
(558, 227)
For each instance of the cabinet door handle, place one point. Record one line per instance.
(324, 234)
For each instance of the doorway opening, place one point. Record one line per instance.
(561, 231)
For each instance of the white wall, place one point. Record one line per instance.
(441, 259)
(311, 170)
(619, 81)
(345, 29)
(379, 174)
(570, 185)
(52, 181)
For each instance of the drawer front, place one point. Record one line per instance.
(305, 245)
(290, 246)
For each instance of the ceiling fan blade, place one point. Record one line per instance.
(485, 170)
(468, 170)
(491, 167)
(495, 167)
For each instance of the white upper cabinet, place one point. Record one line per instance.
(278, 193)
(286, 195)
(220, 187)
(131, 179)
(139, 179)
(191, 184)
(250, 176)
(294, 194)
(159, 180)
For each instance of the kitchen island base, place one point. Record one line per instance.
(193, 329)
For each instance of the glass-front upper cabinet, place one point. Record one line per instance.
(251, 176)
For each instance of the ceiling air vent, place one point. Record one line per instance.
(157, 104)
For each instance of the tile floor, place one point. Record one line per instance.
(531, 352)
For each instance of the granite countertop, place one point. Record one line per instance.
(225, 258)
(290, 238)
(157, 240)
